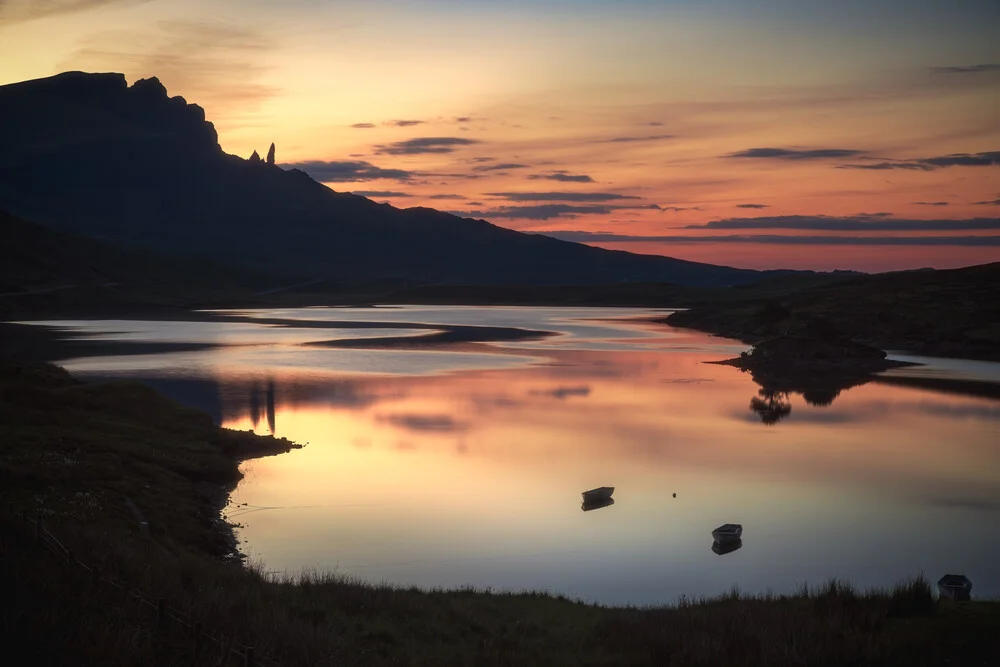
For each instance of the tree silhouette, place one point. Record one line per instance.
(771, 406)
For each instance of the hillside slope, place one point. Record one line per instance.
(953, 312)
(89, 154)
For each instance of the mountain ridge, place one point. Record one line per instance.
(89, 154)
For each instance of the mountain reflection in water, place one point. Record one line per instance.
(468, 471)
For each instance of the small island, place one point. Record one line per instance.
(793, 354)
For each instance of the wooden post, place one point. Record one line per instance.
(249, 657)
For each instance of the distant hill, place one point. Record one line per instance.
(953, 312)
(88, 154)
(56, 272)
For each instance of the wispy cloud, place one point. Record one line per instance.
(549, 211)
(448, 196)
(347, 171)
(563, 176)
(626, 140)
(752, 206)
(379, 193)
(19, 11)
(404, 123)
(219, 66)
(425, 145)
(795, 154)
(930, 203)
(986, 159)
(503, 166)
(363, 126)
(982, 68)
(608, 237)
(849, 223)
(988, 202)
(561, 196)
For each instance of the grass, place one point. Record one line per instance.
(71, 453)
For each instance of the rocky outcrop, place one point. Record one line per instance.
(254, 158)
(270, 154)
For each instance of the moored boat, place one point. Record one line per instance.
(600, 493)
(955, 587)
(728, 532)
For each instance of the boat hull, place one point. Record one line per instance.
(601, 493)
(728, 533)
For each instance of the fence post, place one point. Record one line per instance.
(249, 657)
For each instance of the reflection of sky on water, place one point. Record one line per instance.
(466, 468)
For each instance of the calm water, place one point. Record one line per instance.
(464, 465)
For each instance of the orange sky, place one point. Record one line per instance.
(635, 118)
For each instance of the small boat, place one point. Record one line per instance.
(955, 587)
(600, 493)
(596, 504)
(729, 532)
(723, 548)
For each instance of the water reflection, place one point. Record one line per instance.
(596, 504)
(444, 468)
(771, 406)
(723, 548)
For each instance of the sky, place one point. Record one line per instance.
(858, 134)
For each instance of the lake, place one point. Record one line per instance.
(462, 463)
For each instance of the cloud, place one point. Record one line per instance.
(968, 69)
(347, 172)
(625, 140)
(19, 11)
(678, 209)
(856, 223)
(219, 66)
(563, 176)
(608, 237)
(752, 206)
(431, 423)
(363, 126)
(985, 159)
(563, 393)
(404, 123)
(425, 145)
(561, 196)
(994, 202)
(447, 197)
(793, 154)
(379, 193)
(930, 203)
(549, 211)
(880, 166)
(505, 166)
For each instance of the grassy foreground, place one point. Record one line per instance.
(91, 460)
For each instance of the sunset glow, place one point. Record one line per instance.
(630, 125)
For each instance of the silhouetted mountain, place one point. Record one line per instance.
(89, 154)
